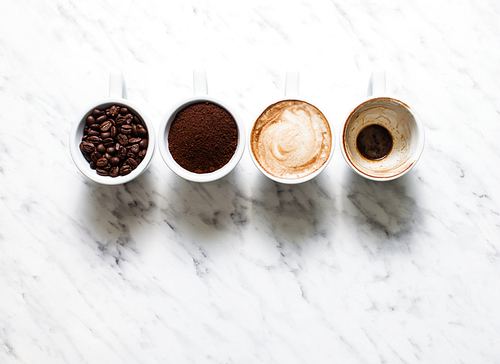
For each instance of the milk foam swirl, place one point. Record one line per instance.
(291, 139)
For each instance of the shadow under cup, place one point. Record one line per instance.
(402, 124)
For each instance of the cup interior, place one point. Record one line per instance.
(289, 180)
(404, 127)
(81, 162)
(163, 144)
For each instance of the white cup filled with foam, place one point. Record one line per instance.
(291, 141)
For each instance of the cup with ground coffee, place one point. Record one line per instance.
(112, 141)
(291, 141)
(382, 138)
(201, 138)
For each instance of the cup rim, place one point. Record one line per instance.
(418, 150)
(76, 138)
(174, 166)
(287, 180)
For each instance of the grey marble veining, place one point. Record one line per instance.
(245, 270)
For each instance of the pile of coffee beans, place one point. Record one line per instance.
(114, 141)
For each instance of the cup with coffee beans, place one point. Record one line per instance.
(291, 141)
(112, 142)
(382, 138)
(201, 138)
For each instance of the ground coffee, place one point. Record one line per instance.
(203, 137)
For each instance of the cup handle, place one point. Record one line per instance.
(376, 86)
(117, 86)
(292, 84)
(200, 82)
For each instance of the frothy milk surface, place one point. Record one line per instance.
(291, 139)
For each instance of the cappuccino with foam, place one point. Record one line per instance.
(291, 139)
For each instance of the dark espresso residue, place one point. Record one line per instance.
(374, 142)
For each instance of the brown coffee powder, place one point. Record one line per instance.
(203, 137)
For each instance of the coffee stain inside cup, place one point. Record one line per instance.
(374, 142)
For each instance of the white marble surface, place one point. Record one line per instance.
(243, 270)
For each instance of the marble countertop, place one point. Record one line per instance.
(244, 270)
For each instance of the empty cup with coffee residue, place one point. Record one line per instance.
(291, 141)
(382, 138)
(201, 139)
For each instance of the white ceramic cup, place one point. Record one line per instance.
(117, 96)
(398, 118)
(291, 94)
(200, 95)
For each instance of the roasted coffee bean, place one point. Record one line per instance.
(141, 131)
(134, 130)
(126, 129)
(131, 162)
(129, 118)
(94, 139)
(105, 135)
(101, 119)
(92, 165)
(108, 142)
(114, 171)
(142, 153)
(122, 139)
(95, 156)
(113, 131)
(93, 132)
(87, 147)
(106, 125)
(90, 120)
(101, 148)
(125, 169)
(114, 161)
(107, 156)
(122, 153)
(87, 157)
(143, 144)
(111, 150)
(123, 111)
(102, 172)
(114, 110)
(102, 162)
(95, 126)
(96, 113)
(134, 140)
(134, 148)
(120, 121)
